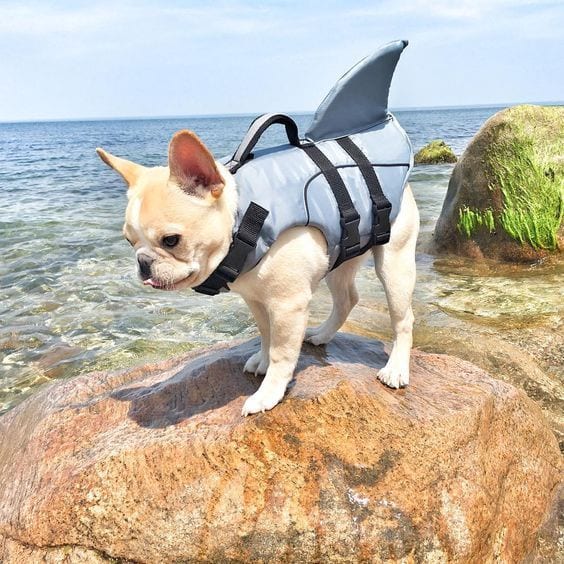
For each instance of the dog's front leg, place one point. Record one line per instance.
(258, 363)
(288, 320)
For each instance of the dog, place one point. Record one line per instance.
(179, 220)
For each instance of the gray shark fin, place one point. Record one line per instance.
(360, 97)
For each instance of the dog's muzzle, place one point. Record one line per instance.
(145, 263)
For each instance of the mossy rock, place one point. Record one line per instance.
(505, 198)
(435, 152)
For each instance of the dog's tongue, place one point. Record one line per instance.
(151, 282)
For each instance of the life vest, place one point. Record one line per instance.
(346, 177)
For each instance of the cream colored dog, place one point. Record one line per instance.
(179, 220)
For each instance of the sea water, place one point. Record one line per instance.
(71, 301)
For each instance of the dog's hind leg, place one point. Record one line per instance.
(343, 291)
(258, 362)
(395, 267)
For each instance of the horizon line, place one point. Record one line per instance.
(297, 112)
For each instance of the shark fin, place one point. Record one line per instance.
(360, 97)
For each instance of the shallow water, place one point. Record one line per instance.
(71, 301)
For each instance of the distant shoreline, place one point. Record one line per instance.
(253, 114)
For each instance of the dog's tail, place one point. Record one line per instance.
(359, 100)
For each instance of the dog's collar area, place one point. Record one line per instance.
(244, 241)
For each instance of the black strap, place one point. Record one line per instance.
(256, 129)
(246, 238)
(244, 241)
(381, 206)
(350, 220)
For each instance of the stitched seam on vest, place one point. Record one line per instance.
(312, 178)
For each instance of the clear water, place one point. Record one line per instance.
(71, 301)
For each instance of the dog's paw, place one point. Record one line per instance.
(394, 376)
(260, 402)
(316, 336)
(256, 365)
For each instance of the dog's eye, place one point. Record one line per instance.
(170, 241)
(130, 242)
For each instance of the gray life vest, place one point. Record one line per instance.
(346, 177)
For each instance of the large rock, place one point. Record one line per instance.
(505, 199)
(156, 464)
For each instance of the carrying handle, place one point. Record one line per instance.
(256, 129)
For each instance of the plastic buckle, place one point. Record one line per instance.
(351, 234)
(350, 242)
(242, 244)
(350, 252)
(381, 226)
(226, 273)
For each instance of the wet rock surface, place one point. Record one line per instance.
(156, 464)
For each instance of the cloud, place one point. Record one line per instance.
(113, 57)
(148, 18)
(42, 19)
(447, 10)
(444, 20)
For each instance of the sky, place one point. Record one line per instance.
(101, 58)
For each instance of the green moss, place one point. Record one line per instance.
(526, 164)
(435, 152)
(469, 220)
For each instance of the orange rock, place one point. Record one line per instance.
(156, 464)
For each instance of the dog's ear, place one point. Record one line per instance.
(129, 171)
(192, 166)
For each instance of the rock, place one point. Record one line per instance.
(156, 464)
(505, 198)
(435, 152)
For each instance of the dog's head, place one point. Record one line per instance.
(179, 218)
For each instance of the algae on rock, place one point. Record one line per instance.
(435, 152)
(471, 219)
(506, 194)
(527, 167)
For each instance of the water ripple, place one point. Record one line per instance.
(71, 301)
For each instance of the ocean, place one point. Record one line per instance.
(70, 298)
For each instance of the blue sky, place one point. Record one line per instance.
(105, 58)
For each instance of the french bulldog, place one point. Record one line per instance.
(180, 218)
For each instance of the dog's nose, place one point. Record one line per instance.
(145, 263)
